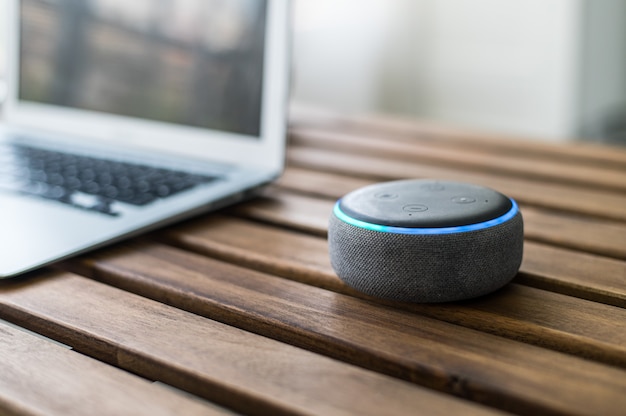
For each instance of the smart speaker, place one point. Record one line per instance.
(426, 240)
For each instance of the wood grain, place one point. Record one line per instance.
(467, 159)
(39, 377)
(558, 197)
(298, 256)
(388, 127)
(429, 352)
(551, 320)
(574, 273)
(246, 372)
(241, 308)
(283, 209)
(601, 237)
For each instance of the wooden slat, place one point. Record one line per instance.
(297, 256)
(552, 320)
(596, 177)
(601, 237)
(544, 344)
(246, 372)
(309, 214)
(285, 209)
(573, 273)
(559, 197)
(437, 134)
(458, 360)
(318, 183)
(39, 377)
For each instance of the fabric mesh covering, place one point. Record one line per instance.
(426, 268)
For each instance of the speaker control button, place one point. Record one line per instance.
(463, 200)
(386, 195)
(415, 208)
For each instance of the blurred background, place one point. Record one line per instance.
(547, 69)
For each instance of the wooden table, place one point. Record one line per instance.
(241, 312)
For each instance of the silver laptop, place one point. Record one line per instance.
(122, 116)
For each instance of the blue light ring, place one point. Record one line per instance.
(426, 231)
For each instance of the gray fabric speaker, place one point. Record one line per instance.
(426, 241)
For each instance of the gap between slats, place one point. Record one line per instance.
(246, 372)
(438, 135)
(526, 314)
(368, 334)
(291, 208)
(601, 236)
(585, 275)
(41, 377)
(534, 169)
(567, 198)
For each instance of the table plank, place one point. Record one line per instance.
(410, 130)
(533, 192)
(447, 357)
(243, 371)
(285, 209)
(551, 320)
(467, 159)
(243, 309)
(603, 237)
(297, 256)
(573, 273)
(40, 377)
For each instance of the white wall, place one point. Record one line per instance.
(337, 52)
(503, 66)
(514, 66)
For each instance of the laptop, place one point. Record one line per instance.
(122, 116)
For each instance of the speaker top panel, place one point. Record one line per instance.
(424, 204)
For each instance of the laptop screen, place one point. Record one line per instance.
(192, 62)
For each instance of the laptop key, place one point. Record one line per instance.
(83, 180)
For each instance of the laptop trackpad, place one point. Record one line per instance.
(35, 229)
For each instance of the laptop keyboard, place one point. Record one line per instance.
(88, 182)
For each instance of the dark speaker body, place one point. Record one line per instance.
(426, 241)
